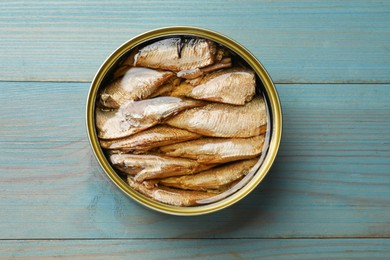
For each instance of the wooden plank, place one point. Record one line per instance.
(55, 111)
(305, 41)
(330, 179)
(44, 112)
(199, 249)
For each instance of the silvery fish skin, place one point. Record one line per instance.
(133, 117)
(175, 197)
(216, 150)
(177, 54)
(150, 138)
(198, 72)
(232, 86)
(212, 179)
(190, 74)
(149, 166)
(223, 120)
(136, 84)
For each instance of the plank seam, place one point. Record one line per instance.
(204, 238)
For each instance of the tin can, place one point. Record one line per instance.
(274, 124)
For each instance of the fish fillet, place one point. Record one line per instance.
(223, 120)
(175, 197)
(136, 84)
(167, 88)
(177, 54)
(153, 137)
(212, 179)
(217, 150)
(149, 166)
(133, 117)
(232, 86)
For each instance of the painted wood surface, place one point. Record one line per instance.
(200, 249)
(331, 178)
(298, 41)
(327, 195)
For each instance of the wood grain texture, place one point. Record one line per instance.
(330, 179)
(327, 195)
(199, 249)
(297, 41)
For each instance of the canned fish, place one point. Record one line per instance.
(184, 120)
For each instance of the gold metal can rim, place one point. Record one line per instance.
(273, 101)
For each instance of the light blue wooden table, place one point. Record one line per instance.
(327, 196)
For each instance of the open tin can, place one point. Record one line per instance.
(264, 88)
